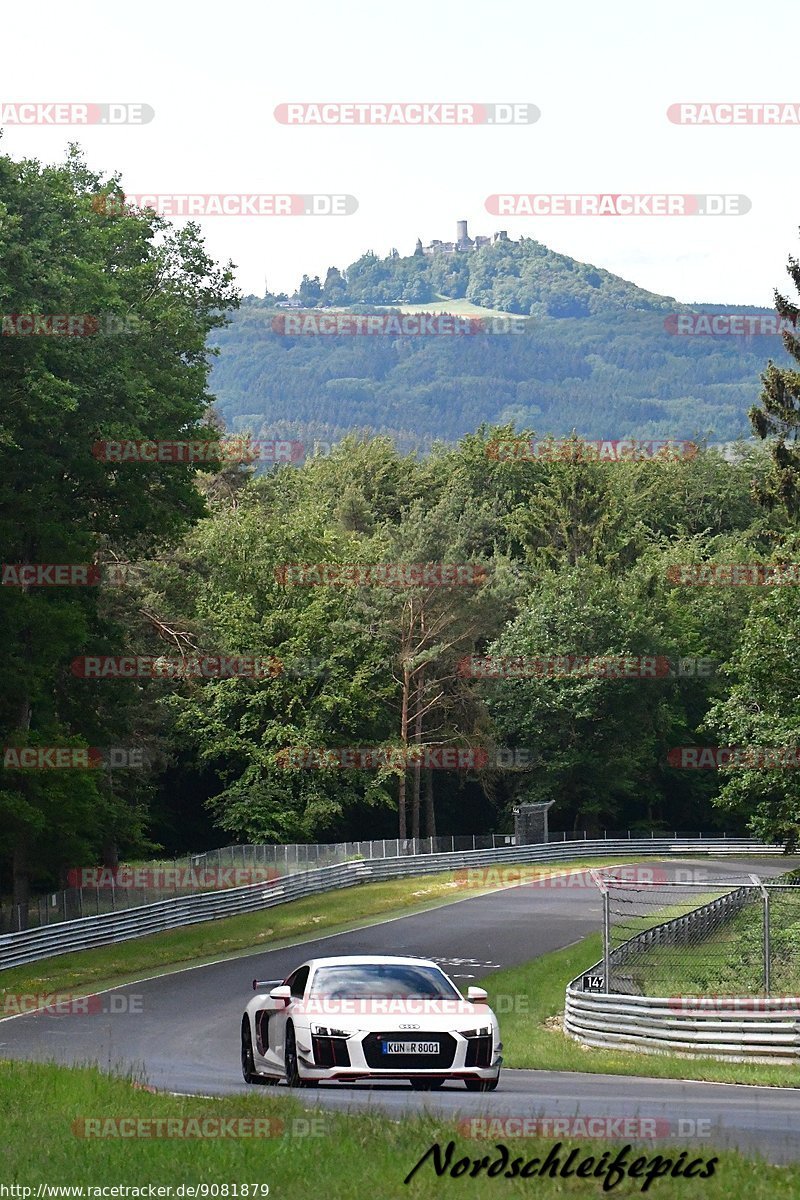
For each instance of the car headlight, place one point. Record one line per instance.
(325, 1031)
(484, 1031)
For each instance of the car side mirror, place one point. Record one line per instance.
(477, 995)
(283, 992)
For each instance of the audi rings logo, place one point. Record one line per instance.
(408, 1027)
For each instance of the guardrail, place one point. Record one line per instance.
(123, 925)
(725, 1028)
(736, 1028)
(94, 890)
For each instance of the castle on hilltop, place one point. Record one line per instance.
(463, 242)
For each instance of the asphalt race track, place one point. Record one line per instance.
(181, 1031)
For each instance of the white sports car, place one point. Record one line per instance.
(370, 1017)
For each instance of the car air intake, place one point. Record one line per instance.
(479, 1052)
(330, 1051)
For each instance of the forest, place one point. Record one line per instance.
(472, 621)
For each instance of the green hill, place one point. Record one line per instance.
(599, 355)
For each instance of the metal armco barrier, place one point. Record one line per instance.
(123, 925)
(736, 1028)
(747, 1030)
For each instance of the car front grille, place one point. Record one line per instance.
(373, 1051)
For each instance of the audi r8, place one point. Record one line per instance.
(369, 1018)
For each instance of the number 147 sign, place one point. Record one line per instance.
(593, 983)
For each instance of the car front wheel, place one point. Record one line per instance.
(293, 1077)
(249, 1072)
(248, 1064)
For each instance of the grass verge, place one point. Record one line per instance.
(84, 971)
(349, 1156)
(533, 1038)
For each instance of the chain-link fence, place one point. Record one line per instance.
(97, 891)
(702, 935)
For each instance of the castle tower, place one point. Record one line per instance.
(418, 248)
(461, 231)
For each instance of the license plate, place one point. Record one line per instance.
(410, 1047)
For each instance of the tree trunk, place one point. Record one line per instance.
(430, 811)
(417, 777)
(401, 806)
(401, 790)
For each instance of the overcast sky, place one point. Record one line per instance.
(603, 76)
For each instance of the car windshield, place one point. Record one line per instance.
(391, 980)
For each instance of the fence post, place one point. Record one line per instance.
(767, 953)
(766, 946)
(600, 884)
